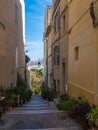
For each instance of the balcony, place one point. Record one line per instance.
(47, 31)
(55, 5)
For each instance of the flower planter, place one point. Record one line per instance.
(84, 124)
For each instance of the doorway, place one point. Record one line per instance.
(63, 77)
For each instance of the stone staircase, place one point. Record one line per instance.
(37, 114)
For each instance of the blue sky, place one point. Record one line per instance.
(35, 11)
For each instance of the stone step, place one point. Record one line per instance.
(68, 128)
(34, 108)
(38, 114)
(31, 112)
(38, 102)
(36, 105)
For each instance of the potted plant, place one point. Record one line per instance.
(80, 109)
(92, 117)
(51, 94)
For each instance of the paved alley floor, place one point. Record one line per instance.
(38, 114)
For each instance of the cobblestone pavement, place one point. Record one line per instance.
(37, 114)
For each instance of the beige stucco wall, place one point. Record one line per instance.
(82, 73)
(47, 46)
(49, 61)
(10, 38)
(20, 37)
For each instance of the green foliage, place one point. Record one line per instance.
(64, 97)
(23, 92)
(44, 91)
(20, 81)
(40, 72)
(51, 94)
(66, 103)
(92, 116)
(36, 90)
(80, 109)
(36, 78)
(48, 93)
(81, 99)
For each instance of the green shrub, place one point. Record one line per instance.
(36, 90)
(81, 99)
(48, 93)
(66, 103)
(51, 94)
(23, 92)
(64, 97)
(92, 116)
(44, 91)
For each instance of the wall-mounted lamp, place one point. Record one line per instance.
(92, 14)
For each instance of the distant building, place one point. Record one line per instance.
(35, 65)
(12, 40)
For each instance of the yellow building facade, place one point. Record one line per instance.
(60, 46)
(83, 50)
(12, 33)
(74, 34)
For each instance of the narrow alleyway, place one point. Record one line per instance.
(37, 114)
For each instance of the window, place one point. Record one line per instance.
(16, 14)
(57, 21)
(76, 55)
(64, 18)
(16, 57)
(56, 55)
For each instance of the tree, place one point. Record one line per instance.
(27, 59)
(40, 72)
